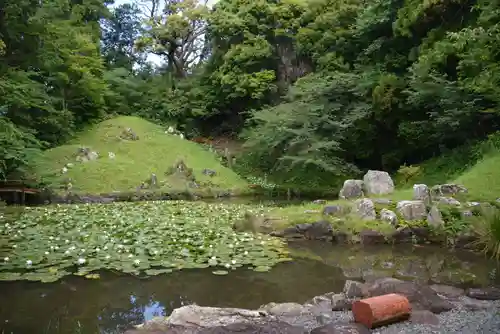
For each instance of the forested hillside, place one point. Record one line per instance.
(318, 89)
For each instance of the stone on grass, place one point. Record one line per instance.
(378, 183)
(333, 210)
(449, 201)
(449, 189)
(434, 218)
(422, 193)
(351, 189)
(389, 216)
(365, 209)
(381, 310)
(412, 210)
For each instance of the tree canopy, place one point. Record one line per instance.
(318, 89)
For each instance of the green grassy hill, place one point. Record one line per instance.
(135, 160)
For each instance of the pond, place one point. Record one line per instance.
(115, 301)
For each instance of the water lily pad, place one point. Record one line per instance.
(132, 238)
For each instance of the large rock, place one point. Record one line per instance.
(412, 210)
(422, 297)
(378, 183)
(351, 189)
(422, 193)
(365, 209)
(194, 319)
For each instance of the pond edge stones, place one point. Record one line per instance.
(331, 312)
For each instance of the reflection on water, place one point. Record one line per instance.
(115, 302)
(112, 303)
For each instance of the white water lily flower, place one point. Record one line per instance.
(66, 241)
(120, 246)
(29, 263)
(14, 246)
(51, 238)
(181, 135)
(155, 252)
(130, 255)
(47, 253)
(6, 259)
(81, 260)
(246, 253)
(82, 250)
(72, 248)
(67, 252)
(56, 247)
(137, 261)
(231, 245)
(108, 257)
(105, 247)
(227, 265)
(97, 249)
(170, 129)
(233, 261)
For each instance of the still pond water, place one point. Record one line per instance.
(115, 301)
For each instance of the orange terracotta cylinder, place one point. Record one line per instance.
(381, 310)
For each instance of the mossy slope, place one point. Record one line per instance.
(154, 152)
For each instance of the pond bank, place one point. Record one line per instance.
(435, 309)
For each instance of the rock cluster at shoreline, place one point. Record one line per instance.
(409, 221)
(434, 309)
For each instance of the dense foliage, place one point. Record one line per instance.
(319, 89)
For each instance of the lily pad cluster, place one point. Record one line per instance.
(148, 238)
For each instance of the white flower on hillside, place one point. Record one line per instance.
(227, 265)
(47, 253)
(108, 257)
(29, 263)
(81, 260)
(233, 261)
(181, 136)
(246, 253)
(64, 170)
(137, 261)
(170, 129)
(6, 259)
(130, 256)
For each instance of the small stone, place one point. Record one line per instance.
(333, 210)
(424, 317)
(341, 328)
(340, 302)
(389, 216)
(434, 218)
(449, 201)
(484, 293)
